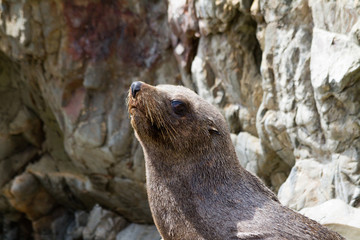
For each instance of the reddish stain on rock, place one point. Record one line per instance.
(99, 29)
(93, 28)
(74, 103)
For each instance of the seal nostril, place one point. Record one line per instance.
(135, 87)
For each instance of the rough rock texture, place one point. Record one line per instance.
(310, 109)
(338, 216)
(139, 232)
(285, 74)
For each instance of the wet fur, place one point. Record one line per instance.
(196, 186)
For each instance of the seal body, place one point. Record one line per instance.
(196, 186)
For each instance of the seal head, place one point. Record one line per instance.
(163, 118)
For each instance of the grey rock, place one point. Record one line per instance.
(312, 177)
(254, 157)
(233, 118)
(338, 216)
(225, 69)
(139, 232)
(309, 114)
(92, 133)
(102, 224)
(248, 149)
(95, 76)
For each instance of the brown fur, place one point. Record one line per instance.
(196, 186)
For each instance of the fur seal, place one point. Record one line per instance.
(196, 186)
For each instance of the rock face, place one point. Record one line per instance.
(338, 216)
(310, 109)
(285, 74)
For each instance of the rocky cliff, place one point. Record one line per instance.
(285, 74)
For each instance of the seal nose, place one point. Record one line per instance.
(135, 87)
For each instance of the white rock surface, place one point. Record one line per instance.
(309, 115)
(338, 216)
(139, 232)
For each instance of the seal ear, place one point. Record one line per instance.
(213, 130)
(212, 127)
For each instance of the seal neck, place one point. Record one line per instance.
(213, 166)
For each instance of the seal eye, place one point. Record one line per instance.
(179, 107)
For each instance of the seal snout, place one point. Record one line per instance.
(135, 88)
